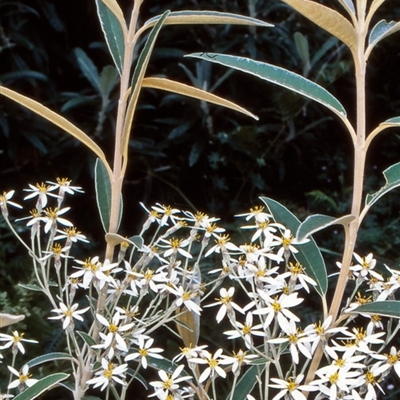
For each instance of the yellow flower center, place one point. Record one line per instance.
(334, 378)
(63, 181)
(42, 187)
(113, 328)
(143, 352)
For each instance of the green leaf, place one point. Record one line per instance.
(108, 80)
(387, 308)
(278, 76)
(309, 255)
(49, 357)
(87, 338)
(88, 69)
(392, 177)
(41, 386)
(34, 288)
(136, 83)
(103, 194)
(114, 33)
(302, 48)
(247, 382)
(381, 30)
(315, 223)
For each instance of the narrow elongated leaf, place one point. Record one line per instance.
(49, 357)
(58, 120)
(279, 76)
(375, 5)
(206, 17)
(186, 90)
(114, 29)
(88, 68)
(34, 288)
(315, 223)
(381, 30)
(392, 177)
(246, 382)
(387, 308)
(309, 255)
(41, 386)
(137, 79)
(349, 6)
(327, 19)
(103, 194)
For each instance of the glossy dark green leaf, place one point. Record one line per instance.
(309, 254)
(387, 308)
(279, 76)
(41, 386)
(113, 33)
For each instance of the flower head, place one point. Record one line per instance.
(108, 374)
(15, 340)
(24, 378)
(145, 350)
(69, 313)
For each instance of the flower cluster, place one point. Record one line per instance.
(116, 305)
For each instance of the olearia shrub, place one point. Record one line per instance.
(112, 307)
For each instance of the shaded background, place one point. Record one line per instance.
(186, 154)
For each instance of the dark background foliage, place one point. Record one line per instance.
(188, 154)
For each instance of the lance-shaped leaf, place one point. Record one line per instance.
(88, 69)
(190, 91)
(348, 6)
(327, 19)
(136, 86)
(41, 386)
(392, 177)
(49, 357)
(315, 223)
(246, 382)
(387, 308)
(58, 120)
(279, 76)
(114, 29)
(374, 6)
(309, 255)
(206, 17)
(103, 195)
(381, 30)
